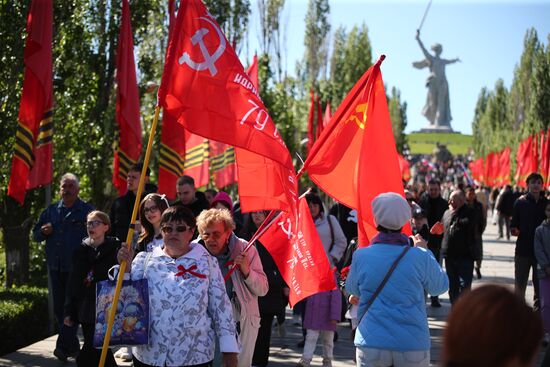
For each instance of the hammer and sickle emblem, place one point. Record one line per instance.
(361, 111)
(209, 59)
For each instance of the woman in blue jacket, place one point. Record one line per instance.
(394, 330)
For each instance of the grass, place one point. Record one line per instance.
(425, 143)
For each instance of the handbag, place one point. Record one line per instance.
(131, 324)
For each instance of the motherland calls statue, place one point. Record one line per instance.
(437, 109)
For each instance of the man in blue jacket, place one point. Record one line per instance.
(63, 226)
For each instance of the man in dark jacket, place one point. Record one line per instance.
(121, 210)
(434, 206)
(505, 210)
(459, 246)
(63, 226)
(480, 222)
(189, 197)
(528, 215)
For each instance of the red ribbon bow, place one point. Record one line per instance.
(191, 270)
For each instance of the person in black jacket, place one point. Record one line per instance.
(505, 210)
(480, 222)
(459, 246)
(121, 210)
(189, 197)
(434, 206)
(274, 302)
(528, 215)
(91, 262)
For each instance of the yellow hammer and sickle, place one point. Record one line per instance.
(360, 112)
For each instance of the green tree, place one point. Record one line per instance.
(316, 42)
(398, 116)
(270, 13)
(538, 115)
(232, 16)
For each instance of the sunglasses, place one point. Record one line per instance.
(152, 209)
(179, 229)
(214, 235)
(93, 223)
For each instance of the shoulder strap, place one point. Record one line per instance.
(331, 234)
(384, 281)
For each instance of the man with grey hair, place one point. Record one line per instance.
(63, 226)
(459, 245)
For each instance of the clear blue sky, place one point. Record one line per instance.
(486, 35)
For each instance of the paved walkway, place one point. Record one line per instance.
(497, 268)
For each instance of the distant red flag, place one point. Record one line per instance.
(404, 167)
(490, 166)
(476, 168)
(355, 159)
(127, 104)
(252, 72)
(299, 254)
(196, 159)
(310, 124)
(327, 116)
(545, 156)
(205, 86)
(32, 156)
(319, 118)
(222, 164)
(526, 160)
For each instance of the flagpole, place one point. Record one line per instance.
(122, 269)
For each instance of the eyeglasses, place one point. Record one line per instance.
(214, 235)
(93, 223)
(152, 209)
(179, 229)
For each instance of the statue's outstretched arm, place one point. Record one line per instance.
(452, 61)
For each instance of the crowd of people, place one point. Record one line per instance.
(213, 301)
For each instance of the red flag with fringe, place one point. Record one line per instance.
(127, 104)
(545, 156)
(298, 252)
(32, 156)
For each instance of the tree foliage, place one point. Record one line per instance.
(398, 116)
(315, 42)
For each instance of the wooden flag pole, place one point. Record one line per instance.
(129, 237)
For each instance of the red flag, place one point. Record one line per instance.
(545, 156)
(328, 115)
(355, 159)
(476, 168)
(196, 159)
(222, 163)
(32, 156)
(526, 160)
(264, 183)
(205, 86)
(310, 126)
(319, 119)
(298, 252)
(252, 73)
(404, 167)
(172, 138)
(490, 166)
(127, 104)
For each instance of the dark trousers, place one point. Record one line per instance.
(522, 267)
(90, 356)
(137, 363)
(67, 340)
(261, 350)
(460, 273)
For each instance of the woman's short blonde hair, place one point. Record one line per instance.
(210, 216)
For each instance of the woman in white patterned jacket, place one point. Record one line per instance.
(189, 307)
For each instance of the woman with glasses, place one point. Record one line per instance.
(91, 262)
(189, 308)
(245, 284)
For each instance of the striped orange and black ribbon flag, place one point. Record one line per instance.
(32, 157)
(222, 164)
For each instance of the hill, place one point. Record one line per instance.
(424, 143)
